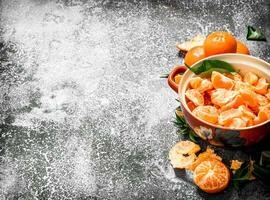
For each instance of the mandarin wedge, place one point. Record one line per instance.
(251, 78)
(262, 86)
(228, 115)
(195, 82)
(211, 176)
(206, 113)
(221, 97)
(236, 123)
(195, 96)
(249, 97)
(221, 81)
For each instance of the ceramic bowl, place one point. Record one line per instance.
(214, 134)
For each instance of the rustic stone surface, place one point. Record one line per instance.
(84, 113)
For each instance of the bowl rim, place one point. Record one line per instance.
(184, 104)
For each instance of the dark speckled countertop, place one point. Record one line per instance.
(83, 112)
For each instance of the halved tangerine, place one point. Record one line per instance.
(206, 113)
(221, 81)
(195, 96)
(211, 176)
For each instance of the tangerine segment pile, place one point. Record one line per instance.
(230, 100)
(211, 176)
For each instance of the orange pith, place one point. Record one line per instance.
(211, 176)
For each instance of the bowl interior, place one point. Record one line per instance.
(241, 62)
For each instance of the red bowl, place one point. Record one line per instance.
(215, 134)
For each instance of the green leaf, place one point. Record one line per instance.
(255, 34)
(243, 174)
(192, 136)
(208, 66)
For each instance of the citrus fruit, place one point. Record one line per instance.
(249, 97)
(178, 78)
(221, 97)
(194, 55)
(209, 154)
(186, 147)
(263, 115)
(246, 112)
(195, 82)
(236, 123)
(205, 85)
(251, 78)
(243, 85)
(234, 76)
(262, 100)
(241, 48)
(262, 86)
(235, 103)
(195, 96)
(226, 116)
(218, 43)
(211, 176)
(182, 154)
(221, 81)
(206, 113)
(268, 94)
(181, 161)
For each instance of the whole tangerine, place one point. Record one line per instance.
(194, 55)
(242, 48)
(219, 42)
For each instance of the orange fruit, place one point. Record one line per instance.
(211, 176)
(251, 78)
(195, 82)
(226, 116)
(246, 112)
(236, 123)
(182, 154)
(195, 96)
(243, 85)
(178, 78)
(235, 103)
(205, 85)
(209, 154)
(206, 113)
(191, 105)
(262, 86)
(221, 81)
(194, 55)
(241, 48)
(234, 76)
(262, 100)
(263, 115)
(249, 97)
(218, 43)
(221, 97)
(268, 95)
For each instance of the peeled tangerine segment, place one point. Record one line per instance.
(236, 123)
(249, 97)
(205, 85)
(262, 100)
(228, 115)
(263, 115)
(195, 96)
(262, 86)
(182, 155)
(246, 112)
(206, 113)
(221, 97)
(235, 103)
(242, 85)
(251, 78)
(195, 82)
(221, 81)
